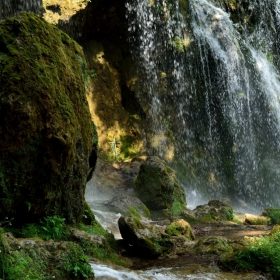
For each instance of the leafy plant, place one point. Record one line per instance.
(54, 227)
(76, 263)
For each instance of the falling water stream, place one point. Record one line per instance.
(211, 77)
(208, 80)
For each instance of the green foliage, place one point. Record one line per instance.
(19, 263)
(273, 214)
(54, 227)
(262, 254)
(76, 263)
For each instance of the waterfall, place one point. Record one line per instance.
(9, 8)
(208, 75)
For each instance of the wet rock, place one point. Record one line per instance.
(143, 238)
(157, 186)
(129, 206)
(213, 245)
(214, 211)
(46, 132)
(180, 228)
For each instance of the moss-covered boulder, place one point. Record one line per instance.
(157, 186)
(46, 132)
(214, 211)
(180, 228)
(144, 239)
(213, 245)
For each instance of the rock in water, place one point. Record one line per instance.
(144, 239)
(46, 132)
(157, 187)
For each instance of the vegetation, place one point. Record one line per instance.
(273, 214)
(60, 257)
(261, 253)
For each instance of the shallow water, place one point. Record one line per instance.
(193, 272)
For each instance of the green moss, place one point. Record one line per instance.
(157, 186)
(20, 263)
(132, 211)
(46, 132)
(180, 228)
(88, 216)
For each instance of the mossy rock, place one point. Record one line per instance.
(213, 212)
(144, 239)
(129, 206)
(34, 258)
(46, 133)
(158, 188)
(180, 228)
(213, 245)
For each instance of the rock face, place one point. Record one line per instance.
(157, 186)
(46, 133)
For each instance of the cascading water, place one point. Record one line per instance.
(9, 8)
(208, 71)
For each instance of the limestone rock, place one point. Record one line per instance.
(157, 186)
(129, 205)
(46, 132)
(146, 239)
(214, 211)
(180, 228)
(213, 245)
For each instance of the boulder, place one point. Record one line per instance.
(129, 206)
(157, 186)
(213, 245)
(214, 211)
(46, 132)
(143, 238)
(180, 228)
